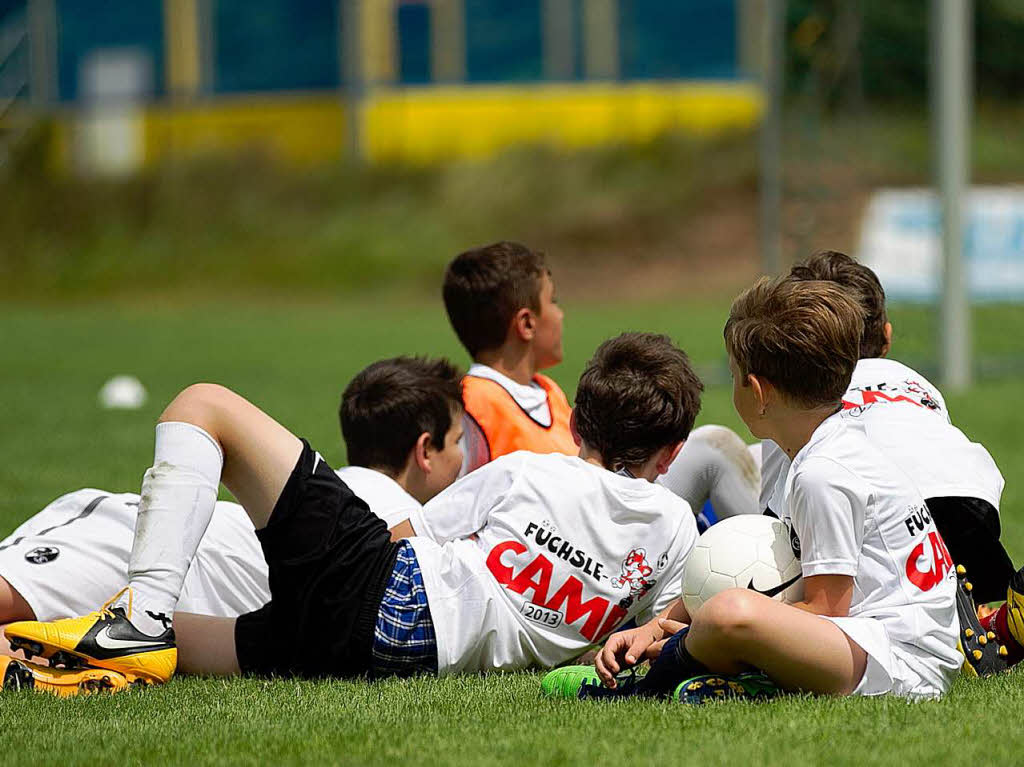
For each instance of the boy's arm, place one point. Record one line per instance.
(827, 595)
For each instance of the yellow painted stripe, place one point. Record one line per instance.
(426, 125)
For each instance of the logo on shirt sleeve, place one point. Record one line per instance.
(42, 554)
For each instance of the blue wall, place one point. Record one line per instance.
(277, 45)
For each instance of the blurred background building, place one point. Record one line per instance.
(386, 80)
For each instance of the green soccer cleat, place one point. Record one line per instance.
(583, 683)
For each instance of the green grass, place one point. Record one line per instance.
(294, 360)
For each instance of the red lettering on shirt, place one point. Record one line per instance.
(941, 562)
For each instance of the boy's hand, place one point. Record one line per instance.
(670, 627)
(624, 649)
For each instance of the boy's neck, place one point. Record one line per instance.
(792, 428)
(648, 471)
(515, 363)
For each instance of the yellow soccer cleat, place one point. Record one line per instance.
(105, 639)
(16, 674)
(1015, 607)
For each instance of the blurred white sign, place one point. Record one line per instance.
(900, 242)
(110, 135)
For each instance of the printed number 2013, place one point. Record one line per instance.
(542, 615)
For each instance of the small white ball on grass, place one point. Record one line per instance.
(123, 393)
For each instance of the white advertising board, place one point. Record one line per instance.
(900, 242)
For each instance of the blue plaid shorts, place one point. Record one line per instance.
(404, 642)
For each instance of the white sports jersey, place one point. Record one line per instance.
(72, 556)
(850, 511)
(385, 497)
(530, 397)
(533, 558)
(905, 417)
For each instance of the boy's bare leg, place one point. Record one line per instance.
(13, 606)
(206, 644)
(738, 629)
(259, 453)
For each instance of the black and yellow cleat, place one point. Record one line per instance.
(17, 674)
(983, 656)
(104, 639)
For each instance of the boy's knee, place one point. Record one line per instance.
(198, 404)
(732, 613)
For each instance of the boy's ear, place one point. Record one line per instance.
(888, 340)
(421, 452)
(761, 388)
(667, 455)
(524, 324)
(573, 430)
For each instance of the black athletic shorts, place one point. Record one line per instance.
(970, 528)
(329, 561)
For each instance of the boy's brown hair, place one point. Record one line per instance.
(637, 395)
(803, 336)
(485, 287)
(389, 404)
(863, 286)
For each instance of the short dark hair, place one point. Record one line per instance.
(485, 287)
(864, 287)
(637, 395)
(388, 405)
(803, 336)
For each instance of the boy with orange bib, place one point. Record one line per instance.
(501, 302)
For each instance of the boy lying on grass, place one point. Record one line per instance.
(401, 420)
(525, 562)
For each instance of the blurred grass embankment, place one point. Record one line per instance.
(635, 222)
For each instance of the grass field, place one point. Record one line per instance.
(294, 360)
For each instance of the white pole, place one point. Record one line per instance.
(773, 51)
(952, 22)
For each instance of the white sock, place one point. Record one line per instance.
(178, 497)
(715, 464)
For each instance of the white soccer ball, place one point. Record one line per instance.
(749, 551)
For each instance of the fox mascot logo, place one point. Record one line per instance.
(635, 573)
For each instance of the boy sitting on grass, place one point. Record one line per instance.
(526, 562)
(501, 302)
(879, 611)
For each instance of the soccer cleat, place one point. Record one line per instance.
(583, 683)
(750, 685)
(1015, 607)
(982, 657)
(104, 639)
(16, 674)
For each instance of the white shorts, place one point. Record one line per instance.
(72, 556)
(893, 668)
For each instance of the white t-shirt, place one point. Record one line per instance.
(530, 397)
(905, 417)
(851, 512)
(531, 559)
(385, 497)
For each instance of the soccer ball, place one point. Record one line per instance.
(749, 551)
